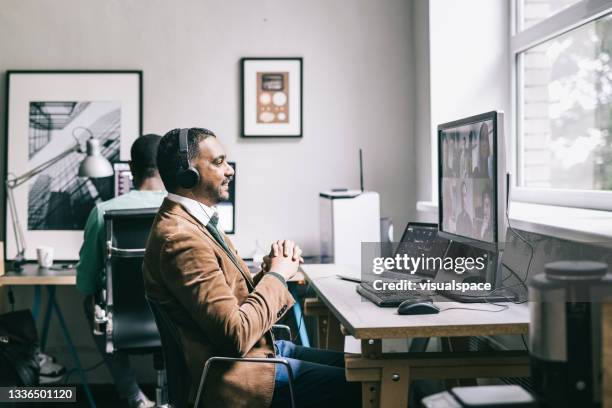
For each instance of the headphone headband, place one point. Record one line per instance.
(183, 142)
(187, 176)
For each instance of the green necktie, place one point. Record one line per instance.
(212, 228)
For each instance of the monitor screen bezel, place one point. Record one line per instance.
(488, 116)
(114, 164)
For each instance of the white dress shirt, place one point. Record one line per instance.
(200, 211)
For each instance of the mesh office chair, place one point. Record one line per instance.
(130, 325)
(179, 379)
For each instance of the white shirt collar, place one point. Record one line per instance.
(200, 211)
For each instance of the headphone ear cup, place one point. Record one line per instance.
(188, 178)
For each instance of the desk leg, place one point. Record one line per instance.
(322, 331)
(3, 295)
(329, 335)
(395, 385)
(36, 305)
(47, 319)
(335, 338)
(370, 394)
(71, 349)
(299, 316)
(317, 309)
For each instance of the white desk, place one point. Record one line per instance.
(364, 320)
(386, 377)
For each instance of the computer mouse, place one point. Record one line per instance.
(417, 307)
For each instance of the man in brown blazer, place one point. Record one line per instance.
(194, 271)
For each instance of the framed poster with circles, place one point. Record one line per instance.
(271, 97)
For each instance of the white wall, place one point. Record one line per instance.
(358, 92)
(469, 69)
(357, 89)
(422, 119)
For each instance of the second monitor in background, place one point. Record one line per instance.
(123, 183)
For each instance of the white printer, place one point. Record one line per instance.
(348, 218)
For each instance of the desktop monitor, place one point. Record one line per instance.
(123, 178)
(472, 181)
(227, 209)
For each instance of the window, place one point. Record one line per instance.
(563, 102)
(533, 11)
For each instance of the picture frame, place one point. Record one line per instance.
(271, 95)
(227, 209)
(48, 112)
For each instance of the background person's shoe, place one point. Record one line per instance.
(141, 402)
(48, 367)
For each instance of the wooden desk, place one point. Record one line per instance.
(33, 275)
(386, 377)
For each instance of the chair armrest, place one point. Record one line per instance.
(125, 252)
(281, 332)
(214, 360)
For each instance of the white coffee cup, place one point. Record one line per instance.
(45, 256)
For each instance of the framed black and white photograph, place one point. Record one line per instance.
(50, 113)
(271, 97)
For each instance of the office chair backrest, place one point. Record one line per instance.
(133, 325)
(179, 378)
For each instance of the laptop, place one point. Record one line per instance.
(419, 240)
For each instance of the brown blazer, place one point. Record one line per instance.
(218, 308)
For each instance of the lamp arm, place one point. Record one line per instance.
(17, 230)
(17, 181)
(14, 182)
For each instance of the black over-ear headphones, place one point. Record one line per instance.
(187, 177)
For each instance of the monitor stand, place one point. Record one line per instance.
(490, 273)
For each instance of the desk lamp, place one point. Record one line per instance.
(94, 165)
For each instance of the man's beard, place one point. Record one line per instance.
(214, 193)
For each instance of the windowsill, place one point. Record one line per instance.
(574, 224)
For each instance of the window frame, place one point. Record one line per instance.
(566, 20)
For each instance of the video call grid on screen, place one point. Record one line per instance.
(468, 176)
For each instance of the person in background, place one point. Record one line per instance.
(149, 192)
(486, 227)
(449, 206)
(453, 156)
(463, 157)
(484, 165)
(447, 170)
(464, 221)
